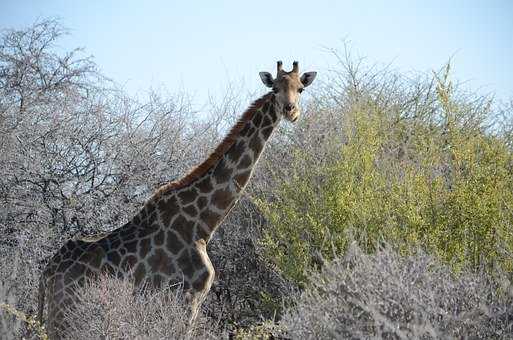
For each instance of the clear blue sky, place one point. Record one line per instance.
(199, 47)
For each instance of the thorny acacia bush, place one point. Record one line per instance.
(417, 163)
(109, 309)
(388, 296)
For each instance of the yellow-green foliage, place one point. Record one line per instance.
(439, 183)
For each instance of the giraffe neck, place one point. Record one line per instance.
(228, 178)
(198, 208)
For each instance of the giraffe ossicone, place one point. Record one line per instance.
(165, 243)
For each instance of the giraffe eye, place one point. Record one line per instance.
(300, 90)
(275, 90)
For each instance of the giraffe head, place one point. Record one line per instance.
(288, 86)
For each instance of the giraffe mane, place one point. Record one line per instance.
(218, 152)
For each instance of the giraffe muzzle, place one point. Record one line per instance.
(290, 107)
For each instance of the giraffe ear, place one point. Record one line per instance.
(307, 78)
(267, 79)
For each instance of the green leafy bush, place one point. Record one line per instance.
(433, 177)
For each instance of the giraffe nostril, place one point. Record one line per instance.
(289, 107)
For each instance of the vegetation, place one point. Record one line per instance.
(428, 171)
(386, 211)
(111, 307)
(387, 296)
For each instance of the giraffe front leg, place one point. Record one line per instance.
(194, 297)
(201, 281)
(194, 301)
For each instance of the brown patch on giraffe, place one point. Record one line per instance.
(115, 242)
(127, 233)
(222, 198)
(272, 113)
(81, 281)
(74, 272)
(97, 259)
(139, 274)
(77, 252)
(185, 285)
(173, 244)
(159, 238)
(202, 202)
(64, 265)
(147, 230)
(187, 196)
(114, 258)
(251, 132)
(236, 150)
(219, 151)
(145, 246)
(131, 246)
(136, 220)
(185, 264)
(157, 280)
(153, 217)
(168, 209)
(143, 214)
(257, 119)
(202, 233)
(267, 132)
(243, 178)
(93, 257)
(150, 207)
(266, 106)
(222, 173)
(190, 210)
(184, 228)
(244, 130)
(160, 262)
(210, 218)
(70, 245)
(86, 256)
(128, 263)
(245, 162)
(196, 260)
(266, 122)
(204, 185)
(201, 282)
(142, 224)
(255, 144)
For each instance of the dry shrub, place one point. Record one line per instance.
(247, 288)
(112, 309)
(387, 296)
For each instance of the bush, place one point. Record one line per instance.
(430, 175)
(388, 296)
(243, 300)
(109, 309)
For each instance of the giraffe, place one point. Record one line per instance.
(166, 242)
